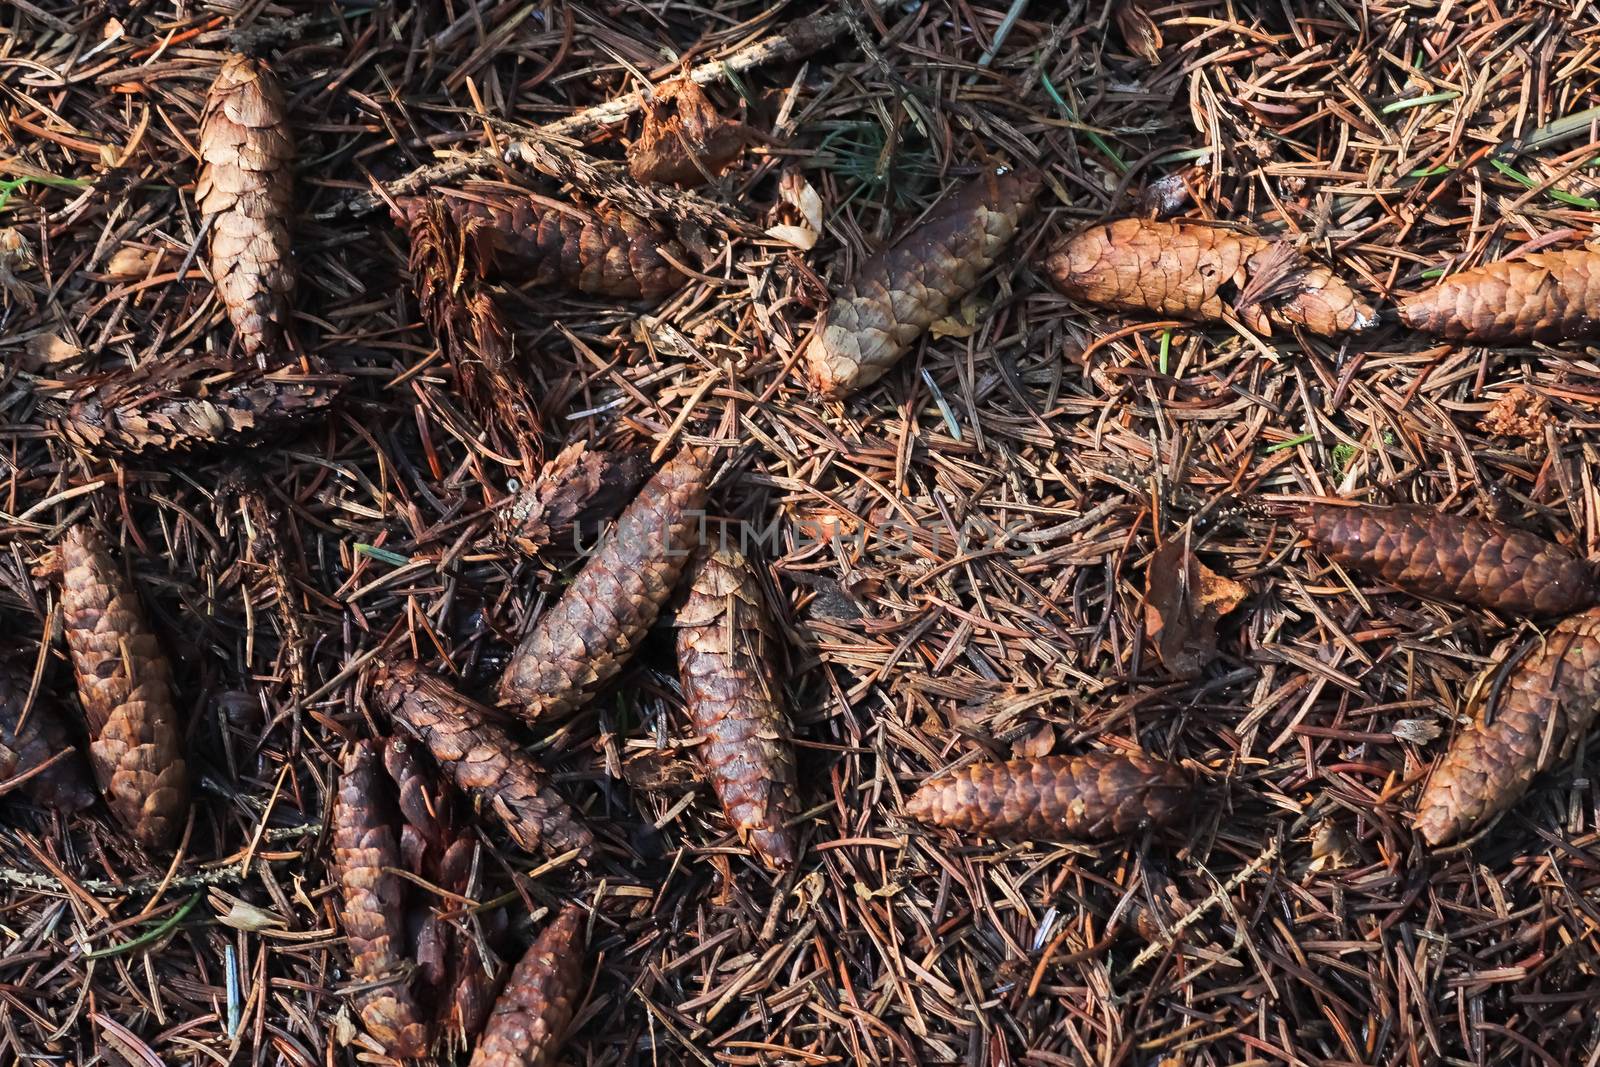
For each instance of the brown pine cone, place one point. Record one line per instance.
(725, 660)
(605, 252)
(1093, 796)
(31, 741)
(914, 282)
(1546, 296)
(1548, 701)
(1183, 269)
(580, 487)
(583, 640)
(192, 405)
(1454, 557)
(246, 192)
(365, 854)
(125, 686)
(485, 763)
(530, 1020)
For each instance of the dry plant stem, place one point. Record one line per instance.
(30, 737)
(530, 1020)
(1182, 269)
(125, 686)
(469, 326)
(157, 408)
(583, 640)
(725, 660)
(913, 282)
(1092, 796)
(605, 252)
(266, 551)
(246, 196)
(365, 855)
(1454, 557)
(1546, 296)
(799, 39)
(485, 763)
(1547, 704)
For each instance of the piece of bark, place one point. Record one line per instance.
(1547, 703)
(33, 736)
(245, 194)
(469, 327)
(365, 855)
(530, 1020)
(125, 687)
(484, 762)
(604, 252)
(1092, 796)
(1186, 270)
(575, 491)
(194, 405)
(684, 140)
(725, 661)
(1545, 296)
(583, 640)
(910, 284)
(1454, 557)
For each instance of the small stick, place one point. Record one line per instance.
(797, 41)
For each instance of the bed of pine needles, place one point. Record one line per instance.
(957, 555)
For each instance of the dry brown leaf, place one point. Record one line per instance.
(1184, 599)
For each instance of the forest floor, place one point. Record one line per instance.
(956, 558)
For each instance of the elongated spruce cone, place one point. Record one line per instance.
(1182, 269)
(604, 252)
(485, 763)
(912, 283)
(725, 661)
(125, 686)
(1548, 701)
(583, 640)
(246, 192)
(365, 855)
(1546, 296)
(529, 1021)
(1092, 796)
(1454, 557)
(33, 740)
(159, 408)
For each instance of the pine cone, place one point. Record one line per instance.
(485, 763)
(192, 405)
(1546, 296)
(725, 660)
(1548, 701)
(583, 640)
(1183, 269)
(1454, 557)
(1092, 796)
(246, 192)
(365, 854)
(530, 1020)
(605, 252)
(125, 686)
(914, 282)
